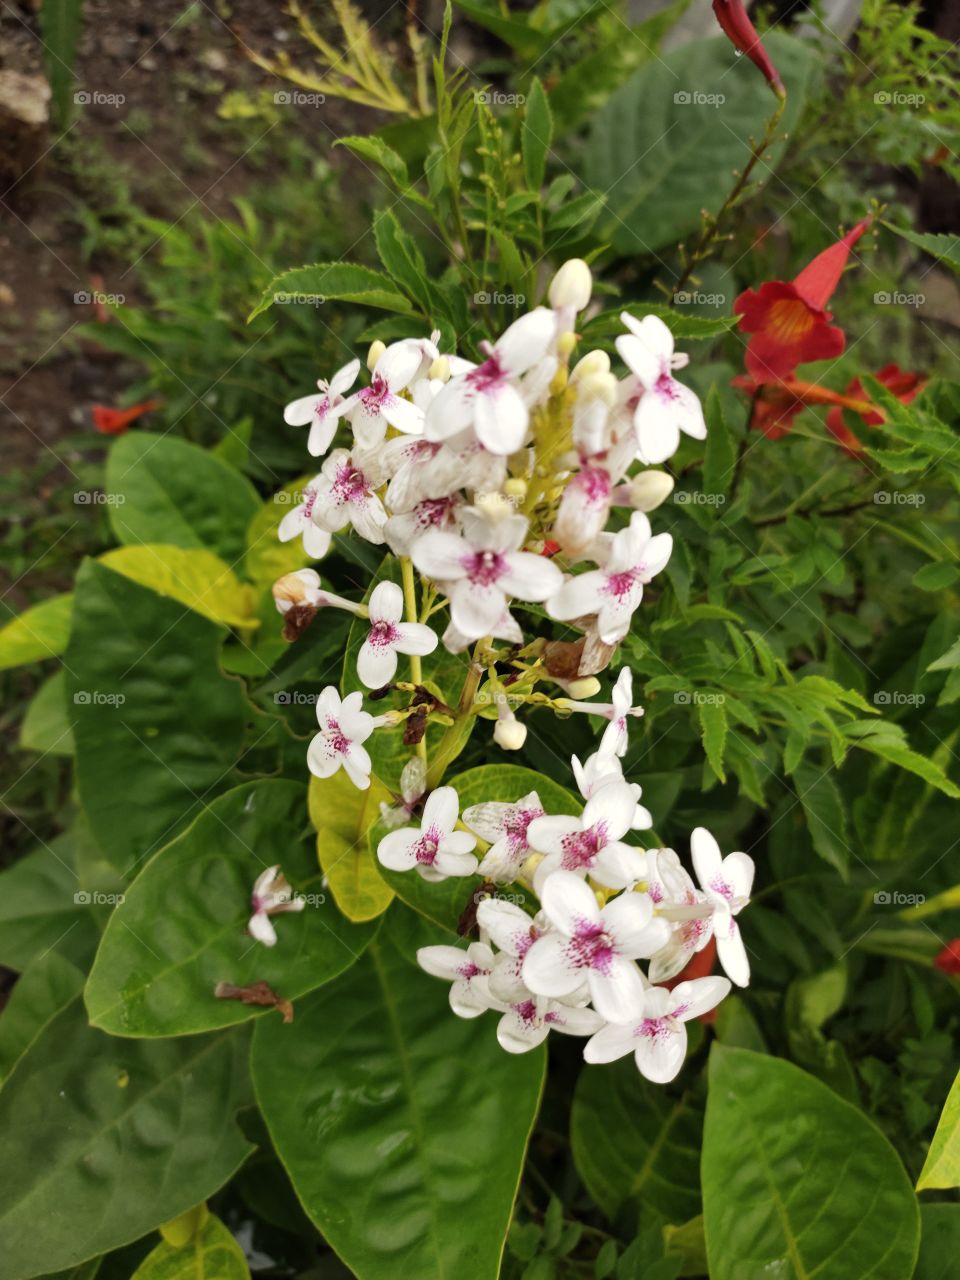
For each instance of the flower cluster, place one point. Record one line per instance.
(492, 485)
(604, 905)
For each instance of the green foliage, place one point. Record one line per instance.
(60, 24)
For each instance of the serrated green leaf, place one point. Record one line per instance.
(334, 282)
(536, 134)
(713, 732)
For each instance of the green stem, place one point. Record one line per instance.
(410, 607)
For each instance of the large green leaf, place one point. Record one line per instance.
(444, 903)
(181, 928)
(634, 1140)
(43, 907)
(158, 727)
(797, 1182)
(193, 576)
(343, 818)
(48, 985)
(666, 143)
(42, 631)
(939, 1242)
(46, 726)
(333, 282)
(403, 1128)
(941, 1168)
(212, 1254)
(105, 1139)
(167, 490)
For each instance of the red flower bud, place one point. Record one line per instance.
(113, 422)
(742, 34)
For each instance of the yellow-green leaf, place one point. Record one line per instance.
(941, 1169)
(267, 558)
(195, 577)
(39, 632)
(344, 817)
(212, 1254)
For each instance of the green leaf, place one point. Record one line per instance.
(150, 707)
(536, 135)
(153, 979)
(609, 325)
(45, 726)
(942, 1166)
(60, 24)
(46, 986)
(193, 576)
(402, 259)
(212, 1254)
(713, 732)
(633, 1140)
(343, 818)
(944, 247)
(105, 1139)
(166, 490)
(936, 576)
(333, 282)
(720, 457)
(877, 739)
(416, 1112)
(667, 142)
(939, 1242)
(823, 809)
(42, 907)
(267, 558)
(785, 1164)
(375, 149)
(42, 631)
(445, 903)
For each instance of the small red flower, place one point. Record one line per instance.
(948, 960)
(905, 386)
(113, 422)
(742, 34)
(788, 319)
(776, 404)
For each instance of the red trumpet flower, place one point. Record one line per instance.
(776, 404)
(905, 386)
(113, 422)
(742, 34)
(948, 960)
(787, 319)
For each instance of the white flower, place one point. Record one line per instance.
(482, 568)
(388, 636)
(528, 1022)
(345, 494)
(487, 397)
(597, 771)
(615, 738)
(583, 511)
(615, 591)
(726, 882)
(401, 531)
(505, 628)
(592, 843)
(666, 407)
(571, 287)
(509, 733)
(598, 945)
(380, 405)
(271, 896)
(655, 1033)
(676, 900)
(435, 849)
(343, 727)
(299, 521)
(323, 411)
(504, 827)
(469, 972)
(514, 933)
(645, 491)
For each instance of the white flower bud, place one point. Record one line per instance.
(377, 349)
(571, 286)
(598, 386)
(592, 362)
(299, 588)
(585, 687)
(515, 488)
(649, 489)
(440, 369)
(494, 505)
(509, 733)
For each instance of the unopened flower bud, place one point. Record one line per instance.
(515, 488)
(377, 349)
(509, 733)
(300, 588)
(592, 362)
(585, 687)
(440, 369)
(649, 489)
(494, 505)
(598, 386)
(571, 286)
(565, 345)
